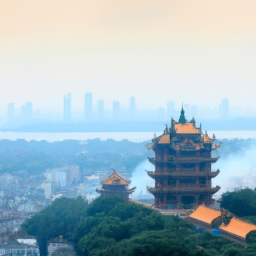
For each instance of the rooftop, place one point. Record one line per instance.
(205, 214)
(238, 227)
(165, 139)
(186, 128)
(115, 179)
(235, 227)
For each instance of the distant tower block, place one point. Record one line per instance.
(115, 184)
(183, 166)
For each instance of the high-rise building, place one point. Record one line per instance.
(224, 109)
(10, 112)
(88, 106)
(67, 107)
(26, 111)
(47, 187)
(132, 108)
(116, 110)
(100, 109)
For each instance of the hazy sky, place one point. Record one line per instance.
(192, 51)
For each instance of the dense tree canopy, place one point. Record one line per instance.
(241, 202)
(112, 226)
(60, 218)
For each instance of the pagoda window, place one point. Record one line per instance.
(166, 157)
(116, 182)
(171, 182)
(202, 181)
(171, 167)
(187, 168)
(158, 157)
(188, 153)
(202, 167)
(188, 181)
(171, 197)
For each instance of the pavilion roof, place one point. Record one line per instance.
(165, 139)
(207, 139)
(205, 214)
(238, 227)
(186, 128)
(235, 227)
(115, 179)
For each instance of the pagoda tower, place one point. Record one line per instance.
(183, 166)
(115, 184)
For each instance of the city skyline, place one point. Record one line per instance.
(192, 52)
(95, 110)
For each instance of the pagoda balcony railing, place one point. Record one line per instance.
(182, 174)
(192, 186)
(131, 190)
(184, 189)
(196, 159)
(186, 170)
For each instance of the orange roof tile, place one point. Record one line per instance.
(207, 139)
(115, 179)
(205, 214)
(165, 139)
(187, 128)
(238, 227)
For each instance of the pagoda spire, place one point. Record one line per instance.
(182, 116)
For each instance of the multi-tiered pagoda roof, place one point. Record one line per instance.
(183, 159)
(115, 184)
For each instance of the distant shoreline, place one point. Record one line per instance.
(118, 136)
(238, 124)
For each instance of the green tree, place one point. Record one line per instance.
(244, 198)
(60, 218)
(251, 237)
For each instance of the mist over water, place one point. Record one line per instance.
(237, 171)
(141, 180)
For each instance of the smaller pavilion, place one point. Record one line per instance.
(115, 184)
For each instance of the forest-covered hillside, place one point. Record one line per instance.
(111, 226)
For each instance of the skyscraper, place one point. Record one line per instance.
(88, 106)
(100, 110)
(132, 108)
(223, 109)
(116, 110)
(67, 107)
(10, 112)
